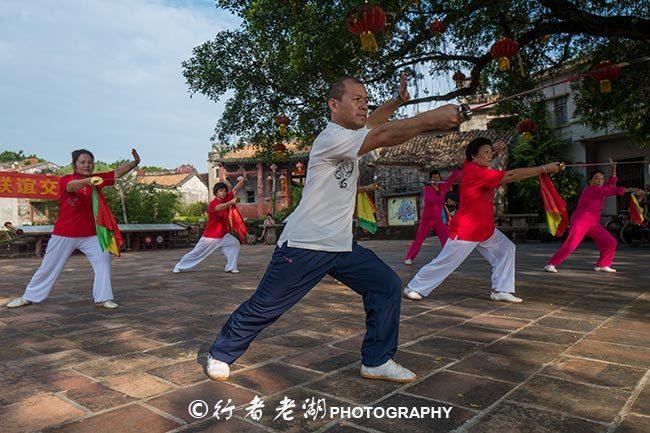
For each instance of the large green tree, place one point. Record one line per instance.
(287, 51)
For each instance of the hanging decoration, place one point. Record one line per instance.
(503, 50)
(437, 27)
(279, 149)
(604, 73)
(300, 168)
(282, 121)
(459, 78)
(526, 127)
(366, 21)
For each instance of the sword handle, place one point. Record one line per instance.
(465, 111)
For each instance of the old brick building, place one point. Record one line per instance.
(402, 170)
(269, 183)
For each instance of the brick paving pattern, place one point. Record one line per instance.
(574, 357)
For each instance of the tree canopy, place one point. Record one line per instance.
(286, 52)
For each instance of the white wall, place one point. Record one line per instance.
(194, 191)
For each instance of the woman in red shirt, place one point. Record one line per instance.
(74, 229)
(473, 225)
(434, 204)
(217, 231)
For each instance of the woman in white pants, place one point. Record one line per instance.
(217, 231)
(75, 229)
(472, 227)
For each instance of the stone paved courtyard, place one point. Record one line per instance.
(574, 357)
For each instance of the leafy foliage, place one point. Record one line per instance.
(286, 53)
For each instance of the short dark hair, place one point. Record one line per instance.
(269, 214)
(595, 172)
(475, 145)
(432, 172)
(337, 88)
(219, 186)
(77, 153)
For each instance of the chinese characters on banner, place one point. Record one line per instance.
(22, 185)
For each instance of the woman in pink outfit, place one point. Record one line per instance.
(434, 204)
(586, 222)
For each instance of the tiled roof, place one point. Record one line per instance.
(204, 178)
(168, 180)
(249, 154)
(436, 150)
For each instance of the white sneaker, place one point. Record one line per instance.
(233, 271)
(550, 268)
(505, 297)
(176, 271)
(408, 262)
(390, 371)
(217, 370)
(18, 302)
(604, 269)
(106, 304)
(412, 294)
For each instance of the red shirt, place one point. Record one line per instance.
(474, 220)
(218, 224)
(76, 219)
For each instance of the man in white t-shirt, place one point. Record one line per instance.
(317, 239)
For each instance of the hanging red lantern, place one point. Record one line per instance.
(503, 50)
(459, 78)
(300, 168)
(279, 148)
(282, 121)
(604, 72)
(526, 127)
(437, 27)
(365, 21)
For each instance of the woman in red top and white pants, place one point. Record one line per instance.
(217, 231)
(75, 229)
(473, 225)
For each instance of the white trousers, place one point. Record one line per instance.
(205, 246)
(59, 249)
(498, 250)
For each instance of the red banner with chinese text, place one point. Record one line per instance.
(23, 185)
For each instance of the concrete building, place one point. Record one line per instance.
(585, 145)
(24, 211)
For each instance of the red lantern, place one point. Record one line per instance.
(365, 21)
(279, 148)
(459, 78)
(503, 50)
(282, 121)
(437, 27)
(526, 127)
(604, 72)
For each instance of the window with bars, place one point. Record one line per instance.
(560, 111)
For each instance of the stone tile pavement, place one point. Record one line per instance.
(574, 357)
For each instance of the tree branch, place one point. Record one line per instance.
(626, 26)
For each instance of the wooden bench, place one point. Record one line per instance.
(520, 224)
